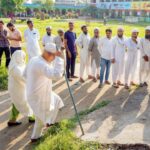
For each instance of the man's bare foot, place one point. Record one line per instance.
(98, 76)
(126, 87)
(70, 80)
(141, 84)
(115, 85)
(90, 77)
(107, 82)
(81, 80)
(94, 79)
(74, 77)
(120, 84)
(133, 84)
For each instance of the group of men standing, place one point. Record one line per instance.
(129, 57)
(30, 86)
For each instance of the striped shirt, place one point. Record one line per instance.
(3, 38)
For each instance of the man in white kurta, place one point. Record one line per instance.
(17, 88)
(44, 102)
(83, 43)
(145, 59)
(118, 58)
(32, 37)
(48, 37)
(132, 60)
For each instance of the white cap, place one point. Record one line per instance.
(83, 26)
(50, 47)
(147, 28)
(96, 29)
(120, 28)
(48, 27)
(60, 30)
(135, 31)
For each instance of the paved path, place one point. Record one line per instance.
(126, 120)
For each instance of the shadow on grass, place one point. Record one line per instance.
(61, 136)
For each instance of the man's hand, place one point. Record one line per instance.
(69, 54)
(62, 48)
(2, 34)
(77, 53)
(146, 58)
(58, 53)
(113, 60)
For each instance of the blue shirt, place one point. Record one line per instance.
(71, 37)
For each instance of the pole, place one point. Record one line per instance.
(74, 105)
(72, 98)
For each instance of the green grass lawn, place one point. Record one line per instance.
(56, 24)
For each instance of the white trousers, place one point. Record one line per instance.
(56, 105)
(131, 68)
(95, 70)
(84, 66)
(144, 71)
(37, 130)
(117, 71)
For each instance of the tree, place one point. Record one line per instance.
(47, 4)
(90, 11)
(11, 6)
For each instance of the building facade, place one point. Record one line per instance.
(120, 8)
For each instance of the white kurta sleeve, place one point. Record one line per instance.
(100, 46)
(79, 41)
(18, 74)
(43, 41)
(26, 35)
(38, 35)
(113, 49)
(142, 48)
(56, 71)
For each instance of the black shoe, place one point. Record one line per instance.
(145, 84)
(31, 121)
(35, 140)
(11, 124)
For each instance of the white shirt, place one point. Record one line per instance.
(32, 41)
(105, 48)
(30, 35)
(119, 48)
(131, 46)
(47, 39)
